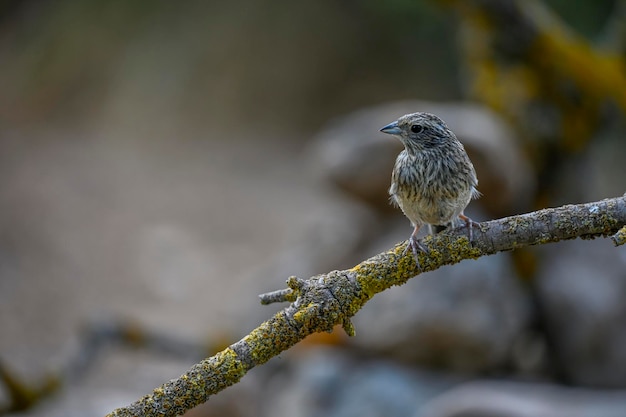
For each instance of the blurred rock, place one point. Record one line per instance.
(355, 156)
(581, 289)
(333, 383)
(328, 237)
(517, 399)
(469, 317)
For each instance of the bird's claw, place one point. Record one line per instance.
(416, 246)
(470, 224)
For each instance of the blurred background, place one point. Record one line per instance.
(163, 163)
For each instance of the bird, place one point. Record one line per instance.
(433, 179)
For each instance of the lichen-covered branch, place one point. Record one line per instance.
(323, 301)
(619, 238)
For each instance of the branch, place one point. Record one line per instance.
(323, 301)
(619, 238)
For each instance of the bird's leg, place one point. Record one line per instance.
(415, 245)
(469, 223)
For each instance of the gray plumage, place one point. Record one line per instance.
(433, 179)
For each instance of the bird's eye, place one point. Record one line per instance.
(417, 128)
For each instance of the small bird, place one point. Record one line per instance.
(433, 179)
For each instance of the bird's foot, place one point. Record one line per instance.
(416, 246)
(470, 224)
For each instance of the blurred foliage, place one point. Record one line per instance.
(558, 88)
(21, 395)
(588, 17)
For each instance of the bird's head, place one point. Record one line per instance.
(419, 131)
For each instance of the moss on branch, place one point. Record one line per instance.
(323, 301)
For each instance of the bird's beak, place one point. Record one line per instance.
(392, 129)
